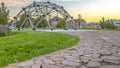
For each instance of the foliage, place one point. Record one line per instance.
(61, 24)
(35, 21)
(42, 24)
(3, 33)
(4, 30)
(23, 45)
(107, 24)
(4, 14)
(20, 21)
(4, 18)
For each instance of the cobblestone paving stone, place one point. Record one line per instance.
(96, 49)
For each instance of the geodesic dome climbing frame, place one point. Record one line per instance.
(44, 10)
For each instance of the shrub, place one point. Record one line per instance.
(4, 14)
(4, 30)
(3, 33)
(4, 18)
(61, 24)
(107, 24)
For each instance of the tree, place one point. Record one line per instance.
(34, 20)
(4, 14)
(79, 22)
(61, 24)
(20, 21)
(4, 18)
(107, 24)
(42, 24)
(103, 23)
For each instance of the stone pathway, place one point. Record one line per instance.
(96, 49)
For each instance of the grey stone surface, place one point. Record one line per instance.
(97, 59)
(93, 64)
(26, 63)
(106, 39)
(112, 61)
(110, 58)
(83, 67)
(105, 52)
(71, 57)
(48, 61)
(29, 66)
(110, 66)
(50, 66)
(69, 67)
(36, 65)
(57, 59)
(74, 60)
(85, 59)
(95, 56)
(70, 63)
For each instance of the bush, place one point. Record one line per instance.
(4, 14)
(3, 33)
(107, 24)
(4, 30)
(4, 18)
(61, 24)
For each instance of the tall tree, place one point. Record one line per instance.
(103, 23)
(79, 22)
(4, 14)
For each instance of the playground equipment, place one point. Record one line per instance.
(43, 10)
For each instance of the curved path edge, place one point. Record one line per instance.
(96, 49)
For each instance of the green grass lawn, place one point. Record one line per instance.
(23, 45)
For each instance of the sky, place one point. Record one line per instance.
(90, 10)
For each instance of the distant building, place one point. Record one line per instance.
(93, 25)
(116, 22)
(81, 23)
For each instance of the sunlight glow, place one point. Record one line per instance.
(91, 10)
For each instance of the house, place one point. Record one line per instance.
(81, 23)
(116, 22)
(93, 25)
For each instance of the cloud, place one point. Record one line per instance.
(62, 0)
(24, 2)
(16, 2)
(70, 0)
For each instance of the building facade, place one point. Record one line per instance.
(116, 22)
(93, 25)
